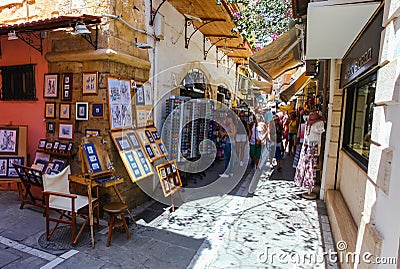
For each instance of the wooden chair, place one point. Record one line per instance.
(29, 177)
(58, 197)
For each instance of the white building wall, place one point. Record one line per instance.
(385, 135)
(171, 60)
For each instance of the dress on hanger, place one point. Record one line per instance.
(306, 168)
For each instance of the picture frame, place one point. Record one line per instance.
(70, 146)
(139, 95)
(65, 111)
(123, 143)
(50, 85)
(50, 127)
(11, 172)
(133, 140)
(3, 167)
(97, 110)
(49, 145)
(89, 83)
(169, 177)
(56, 144)
(148, 95)
(119, 103)
(92, 132)
(92, 159)
(50, 110)
(66, 93)
(65, 131)
(8, 140)
(62, 147)
(133, 164)
(82, 111)
(149, 136)
(42, 143)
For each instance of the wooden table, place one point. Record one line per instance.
(90, 184)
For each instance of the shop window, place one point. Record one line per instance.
(358, 120)
(18, 82)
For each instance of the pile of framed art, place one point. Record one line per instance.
(13, 149)
(132, 154)
(55, 147)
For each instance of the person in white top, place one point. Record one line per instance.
(306, 168)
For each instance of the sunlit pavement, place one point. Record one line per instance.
(274, 228)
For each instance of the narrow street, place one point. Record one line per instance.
(274, 228)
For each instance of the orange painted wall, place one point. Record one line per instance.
(30, 113)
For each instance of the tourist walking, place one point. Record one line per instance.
(227, 135)
(242, 132)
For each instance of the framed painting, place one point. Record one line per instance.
(8, 140)
(148, 95)
(3, 166)
(65, 111)
(11, 170)
(50, 127)
(66, 93)
(56, 144)
(133, 140)
(65, 131)
(140, 95)
(50, 110)
(123, 143)
(70, 146)
(89, 83)
(42, 143)
(50, 86)
(119, 98)
(49, 145)
(82, 111)
(97, 110)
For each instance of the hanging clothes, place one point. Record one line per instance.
(305, 175)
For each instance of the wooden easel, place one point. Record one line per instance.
(93, 178)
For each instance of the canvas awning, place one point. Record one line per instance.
(295, 87)
(332, 27)
(264, 86)
(282, 55)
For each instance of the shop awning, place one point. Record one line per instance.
(296, 86)
(264, 86)
(332, 27)
(282, 55)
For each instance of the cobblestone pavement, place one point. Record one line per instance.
(274, 228)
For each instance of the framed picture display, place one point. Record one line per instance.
(119, 98)
(8, 140)
(65, 111)
(66, 92)
(62, 147)
(92, 159)
(148, 95)
(70, 146)
(133, 139)
(82, 111)
(170, 180)
(3, 166)
(50, 127)
(89, 83)
(149, 136)
(50, 110)
(97, 110)
(123, 143)
(155, 134)
(150, 152)
(56, 144)
(144, 162)
(42, 144)
(162, 149)
(139, 95)
(144, 116)
(50, 86)
(11, 172)
(49, 145)
(92, 132)
(65, 131)
(142, 137)
(133, 164)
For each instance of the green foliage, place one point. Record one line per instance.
(262, 21)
